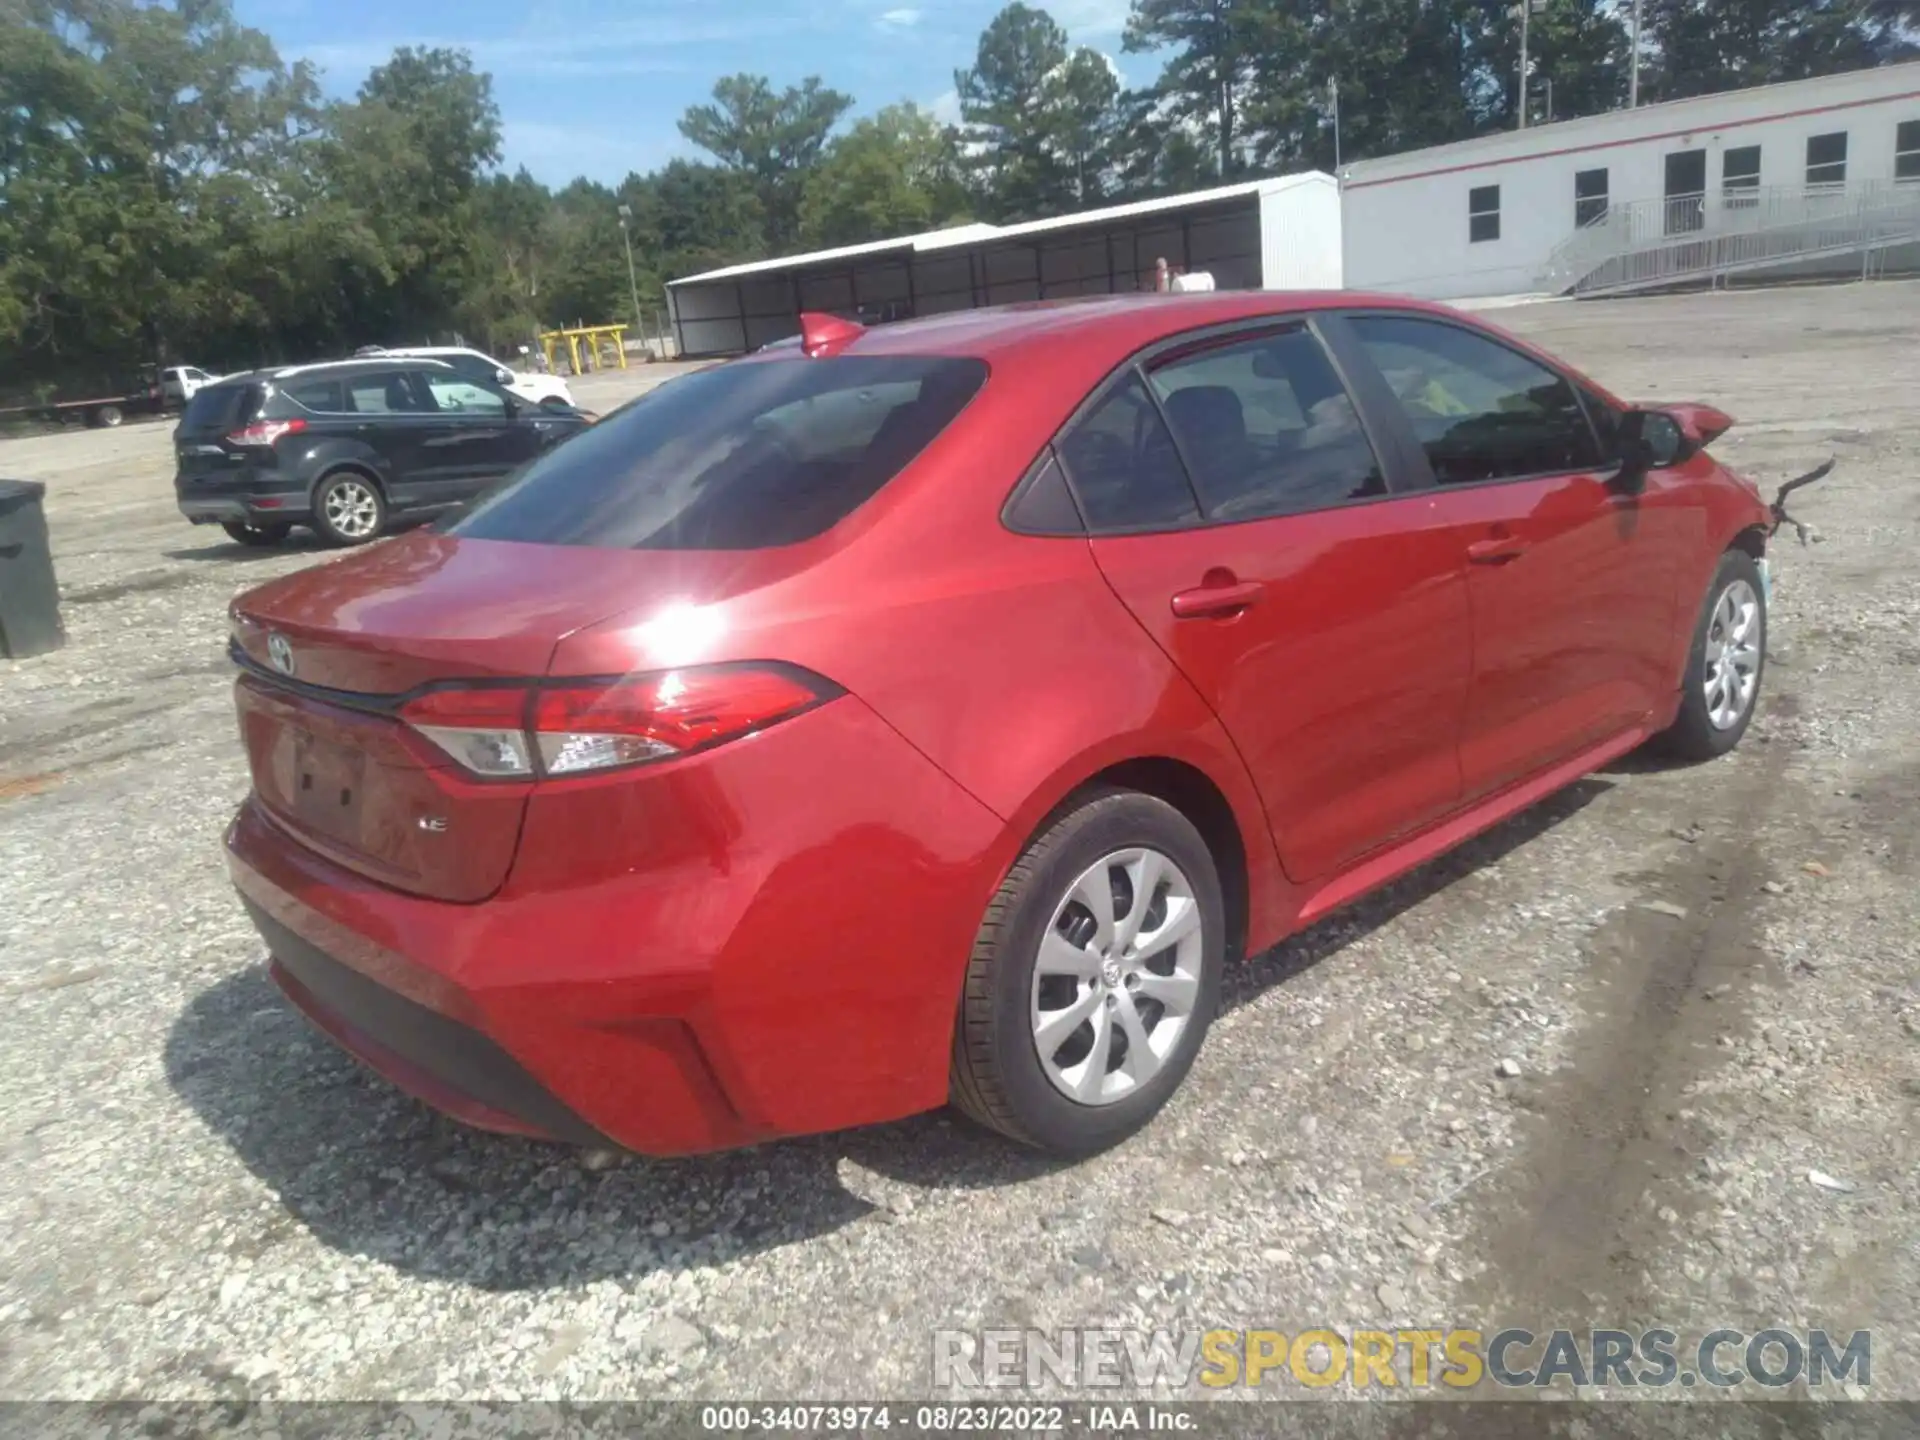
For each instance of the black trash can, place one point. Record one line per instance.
(29, 598)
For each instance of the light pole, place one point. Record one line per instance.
(1633, 73)
(1333, 99)
(1526, 9)
(633, 286)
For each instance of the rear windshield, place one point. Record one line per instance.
(740, 457)
(221, 407)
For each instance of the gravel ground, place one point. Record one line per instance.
(1705, 982)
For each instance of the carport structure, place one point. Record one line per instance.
(1272, 234)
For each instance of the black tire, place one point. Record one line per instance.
(332, 492)
(256, 535)
(998, 1078)
(1693, 734)
(108, 416)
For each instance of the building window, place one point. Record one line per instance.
(1827, 159)
(1589, 197)
(1740, 177)
(1483, 213)
(1906, 150)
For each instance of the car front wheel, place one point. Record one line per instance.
(348, 509)
(1094, 977)
(1725, 664)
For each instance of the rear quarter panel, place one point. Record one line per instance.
(1005, 659)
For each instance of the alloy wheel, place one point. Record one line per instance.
(352, 509)
(1732, 669)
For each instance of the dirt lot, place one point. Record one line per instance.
(201, 1198)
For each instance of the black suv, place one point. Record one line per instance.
(349, 446)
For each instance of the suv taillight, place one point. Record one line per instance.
(264, 432)
(572, 727)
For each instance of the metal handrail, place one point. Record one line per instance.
(1647, 241)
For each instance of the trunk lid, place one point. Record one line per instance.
(333, 764)
(199, 440)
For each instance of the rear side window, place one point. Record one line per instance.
(221, 407)
(1480, 410)
(1268, 428)
(323, 396)
(740, 457)
(1123, 465)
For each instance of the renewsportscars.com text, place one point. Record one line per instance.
(1457, 1359)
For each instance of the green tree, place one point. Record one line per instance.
(409, 156)
(1705, 46)
(892, 174)
(141, 148)
(1209, 65)
(776, 137)
(1079, 118)
(1000, 100)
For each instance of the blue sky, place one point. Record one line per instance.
(593, 87)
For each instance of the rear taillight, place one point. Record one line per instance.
(571, 727)
(264, 432)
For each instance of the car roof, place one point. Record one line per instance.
(326, 367)
(1124, 321)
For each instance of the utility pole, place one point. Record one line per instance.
(1526, 68)
(633, 287)
(1633, 74)
(1333, 98)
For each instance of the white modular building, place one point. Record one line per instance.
(1502, 215)
(1809, 178)
(1281, 234)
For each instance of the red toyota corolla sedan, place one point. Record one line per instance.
(930, 713)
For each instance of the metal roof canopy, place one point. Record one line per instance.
(980, 233)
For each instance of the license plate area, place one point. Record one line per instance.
(327, 790)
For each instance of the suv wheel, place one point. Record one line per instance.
(261, 535)
(1094, 977)
(348, 509)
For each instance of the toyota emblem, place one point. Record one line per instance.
(280, 653)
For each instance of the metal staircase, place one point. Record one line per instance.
(1706, 240)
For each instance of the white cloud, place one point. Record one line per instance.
(1091, 17)
(945, 107)
(616, 47)
(900, 19)
(557, 152)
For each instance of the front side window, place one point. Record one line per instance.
(1124, 466)
(1483, 213)
(1481, 411)
(740, 457)
(1827, 159)
(1267, 428)
(457, 395)
(383, 394)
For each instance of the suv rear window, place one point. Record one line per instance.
(221, 407)
(741, 457)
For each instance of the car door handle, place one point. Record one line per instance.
(1496, 552)
(1217, 600)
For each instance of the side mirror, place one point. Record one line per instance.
(1649, 440)
(503, 377)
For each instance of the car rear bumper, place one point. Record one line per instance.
(231, 499)
(787, 961)
(449, 1065)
